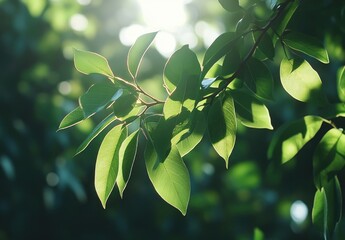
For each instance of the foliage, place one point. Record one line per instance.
(238, 91)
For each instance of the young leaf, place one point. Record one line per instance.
(341, 84)
(186, 78)
(307, 45)
(301, 81)
(169, 177)
(97, 130)
(89, 62)
(182, 65)
(137, 52)
(219, 48)
(127, 153)
(99, 96)
(71, 119)
(250, 111)
(292, 137)
(329, 157)
(230, 5)
(258, 78)
(222, 126)
(107, 162)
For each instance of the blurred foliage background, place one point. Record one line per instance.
(47, 193)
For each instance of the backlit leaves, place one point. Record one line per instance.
(72, 118)
(222, 126)
(341, 84)
(89, 62)
(169, 177)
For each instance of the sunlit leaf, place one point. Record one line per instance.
(250, 111)
(99, 96)
(258, 78)
(292, 137)
(72, 118)
(107, 162)
(307, 45)
(258, 234)
(327, 208)
(127, 153)
(97, 130)
(192, 136)
(341, 84)
(188, 82)
(169, 177)
(219, 48)
(230, 5)
(222, 126)
(301, 81)
(90, 62)
(329, 156)
(183, 65)
(137, 52)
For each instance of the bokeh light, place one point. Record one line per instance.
(299, 212)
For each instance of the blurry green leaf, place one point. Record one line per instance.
(230, 5)
(182, 65)
(192, 136)
(301, 81)
(250, 111)
(280, 26)
(185, 80)
(137, 52)
(341, 84)
(169, 177)
(222, 126)
(327, 209)
(99, 96)
(89, 62)
(35, 7)
(219, 48)
(307, 45)
(127, 153)
(329, 157)
(258, 78)
(107, 162)
(265, 46)
(291, 138)
(258, 234)
(97, 130)
(71, 119)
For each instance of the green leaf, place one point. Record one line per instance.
(341, 84)
(127, 153)
(222, 126)
(230, 5)
(188, 139)
(250, 111)
(291, 138)
(329, 157)
(307, 45)
(258, 234)
(301, 81)
(258, 78)
(219, 48)
(99, 96)
(280, 26)
(90, 62)
(137, 52)
(186, 77)
(107, 162)
(125, 104)
(327, 209)
(97, 130)
(231, 62)
(265, 46)
(71, 119)
(182, 65)
(169, 177)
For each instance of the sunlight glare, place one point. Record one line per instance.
(78, 22)
(207, 32)
(165, 43)
(163, 14)
(129, 34)
(84, 2)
